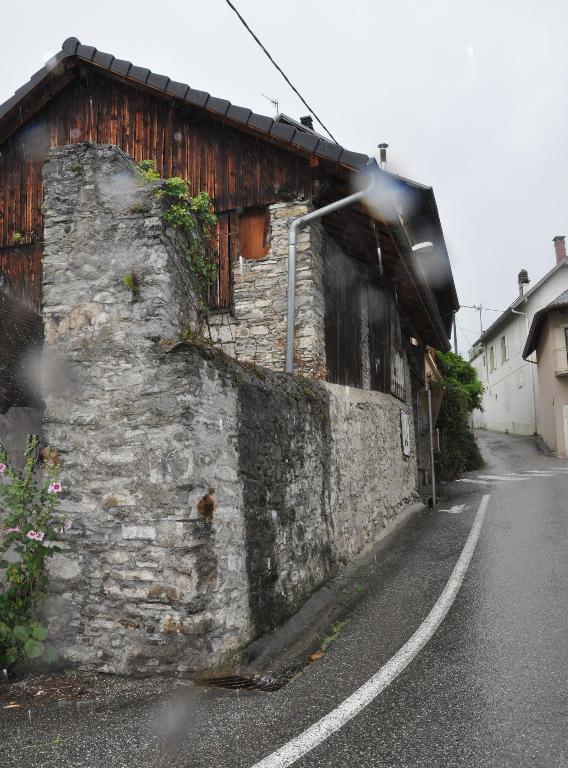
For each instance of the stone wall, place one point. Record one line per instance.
(255, 329)
(208, 497)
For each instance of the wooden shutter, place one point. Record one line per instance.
(254, 233)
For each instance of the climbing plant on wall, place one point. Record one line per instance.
(194, 216)
(463, 391)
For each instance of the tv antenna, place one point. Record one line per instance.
(274, 102)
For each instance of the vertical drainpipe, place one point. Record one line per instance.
(432, 462)
(455, 334)
(295, 225)
(517, 312)
(431, 430)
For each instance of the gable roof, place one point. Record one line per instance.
(560, 302)
(518, 301)
(297, 137)
(282, 130)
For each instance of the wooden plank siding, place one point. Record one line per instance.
(237, 170)
(342, 319)
(20, 273)
(386, 348)
(348, 286)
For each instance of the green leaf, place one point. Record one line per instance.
(33, 649)
(39, 632)
(4, 564)
(21, 633)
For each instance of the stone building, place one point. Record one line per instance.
(297, 474)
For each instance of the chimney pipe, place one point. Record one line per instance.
(383, 155)
(559, 247)
(307, 121)
(523, 279)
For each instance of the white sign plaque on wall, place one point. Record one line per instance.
(405, 432)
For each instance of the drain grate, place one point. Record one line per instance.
(243, 682)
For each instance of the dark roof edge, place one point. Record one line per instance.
(518, 301)
(299, 140)
(560, 302)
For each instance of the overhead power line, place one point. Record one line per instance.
(296, 91)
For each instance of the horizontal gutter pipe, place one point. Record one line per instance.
(295, 225)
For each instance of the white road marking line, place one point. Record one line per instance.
(336, 719)
(502, 477)
(456, 509)
(545, 472)
(477, 482)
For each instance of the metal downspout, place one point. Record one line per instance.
(517, 312)
(295, 225)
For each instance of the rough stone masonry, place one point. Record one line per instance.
(208, 497)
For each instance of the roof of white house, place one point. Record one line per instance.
(495, 326)
(560, 302)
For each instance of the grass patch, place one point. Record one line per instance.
(334, 633)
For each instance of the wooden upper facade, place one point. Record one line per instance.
(244, 161)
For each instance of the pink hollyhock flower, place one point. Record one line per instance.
(55, 488)
(3, 468)
(36, 535)
(11, 530)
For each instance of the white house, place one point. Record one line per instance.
(510, 398)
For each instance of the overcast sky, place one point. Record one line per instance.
(471, 96)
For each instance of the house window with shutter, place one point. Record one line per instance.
(243, 235)
(254, 233)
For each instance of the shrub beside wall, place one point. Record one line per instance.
(459, 451)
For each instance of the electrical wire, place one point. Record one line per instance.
(465, 334)
(296, 91)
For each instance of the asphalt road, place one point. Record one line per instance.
(489, 688)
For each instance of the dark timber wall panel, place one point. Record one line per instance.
(342, 315)
(237, 170)
(20, 273)
(21, 331)
(386, 348)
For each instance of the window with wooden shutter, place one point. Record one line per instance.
(246, 235)
(254, 233)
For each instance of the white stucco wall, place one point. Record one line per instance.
(510, 399)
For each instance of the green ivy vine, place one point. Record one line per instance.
(194, 216)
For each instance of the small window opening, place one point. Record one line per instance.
(504, 350)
